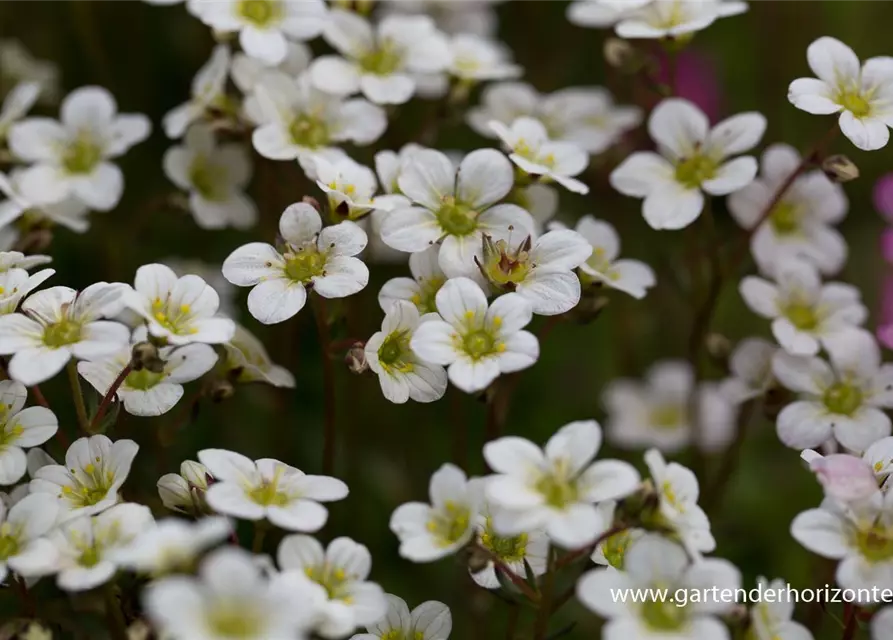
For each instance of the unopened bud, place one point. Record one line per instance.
(144, 355)
(478, 559)
(623, 55)
(356, 358)
(839, 168)
(221, 390)
(718, 346)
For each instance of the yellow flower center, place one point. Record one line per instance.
(383, 60)
(304, 263)
(61, 333)
(855, 102)
(843, 399)
(802, 316)
(785, 218)
(691, 172)
(875, 543)
(394, 353)
(89, 485)
(510, 549)
(260, 13)
(309, 131)
(449, 524)
(82, 154)
(456, 218)
(208, 179)
(424, 300)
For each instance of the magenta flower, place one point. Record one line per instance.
(696, 80)
(883, 197)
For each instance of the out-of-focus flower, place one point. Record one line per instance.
(208, 92)
(696, 79)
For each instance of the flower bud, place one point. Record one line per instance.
(623, 55)
(144, 355)
(718, 346)
(220, 390)
(839, 168)
(478, 559)
(356, 359)
(844, 477)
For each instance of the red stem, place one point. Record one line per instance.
(107, 400)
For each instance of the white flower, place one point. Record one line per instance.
(95, 469)
(678, 510)
(23, 547)
(268, 489)
(557, 487)
(86, 547)
(536, 155)
(208, 92)
(180, 310)
(585, 116)
(264, 25)
(247, 71)
(172, 545)
(421, 289)
(16, 104)
(847, 478)
(18, 65)
(861, 93)
(517, 552)
(430, 620)
(541, 200)
(882, 624)
(144, 392)
(247, 356)
(381, 62)
(800, 224)
(401, 373)
(349, 187)
(860, 536)
(477, 343)
(70, 213)
(541, 270)
(297, 119)
(342, 570)
(671, 19)
(602, 266)
(15, 284)
(467, 16)
(72, 157)
(692, 161)
(478, 59)
(611, 552)
(20, 428)
(230, 598)
(57, 324)
(184, 492)
(844, 401)
(771, 619)
(655, 563)
(658, 412)
(455, 205)
(431, 532)
(211, 274)
(215, 176)
(751, 368)
(804, 312)
(313, 257)
(18, 260)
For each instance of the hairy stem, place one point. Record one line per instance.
(107, 399)
(78, 395)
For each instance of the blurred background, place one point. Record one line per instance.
(146, 56)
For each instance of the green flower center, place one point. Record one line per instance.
(449, 524)
(854, 102)
(230, 620)
(691, 172)
(394, 353)
(61, 333)
(89, 486)
(268, 494)
(668, 416)
(397, 634)
(90, 557)
(309, 131)
(82, 155)
(512, 549)
(875, 544)
(424, 300)
(143, 379)
(9, 546)
(333, 579)
(174, 319)
(479, 344)
(260, 13)
(843, 399)
(802, 316)
(207, 179)
(614, 549)
(455, 218)
(382, 61)
(503, 267)
(663, 615)
(785, 218)
(557, 489)
(305, 263)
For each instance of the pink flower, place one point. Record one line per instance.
(844, 477)
(883, 196)
(696, 79)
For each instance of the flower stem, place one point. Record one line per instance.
(78, 395)
(260, 532)
(114, 615)
(328, 381)
(107, 399)
(541, 625)
(511, 628)
(716, 489)
(849, 631)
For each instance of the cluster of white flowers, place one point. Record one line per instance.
(486, 248)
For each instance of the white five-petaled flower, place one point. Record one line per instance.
(540, 270)
(296, 119)
(861, 92)
(603, 267)
(180, 310)
(844, 401)
(430, 620)
(653, 19)
(20, 428)
(184, 492)
(230, 598)
(668, 410)
(655, 563)
(95, 469)
(382, 62)
(456, 206)
(772, 619)
(59, 323)
(16, 104)
(476, 342)
(401, 373)
(23, 525)
(692, 160)
(479, 59)
(208, 92)
(144, 392)
(215, 176)
(85, 548)
(428, 532)
(15, 284)
(585, 116)
(18, 260)
(268, 489)
(172, 545)
(349, 187)
(72, 157)
(342, 570)
(421, 289)
(264, 26)
(751, 369)
(312, 257)
(800, 225)
(70, 213)
(536, 155)
(804, 311)
(555, 488)
(518, 552)
(247, 356)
